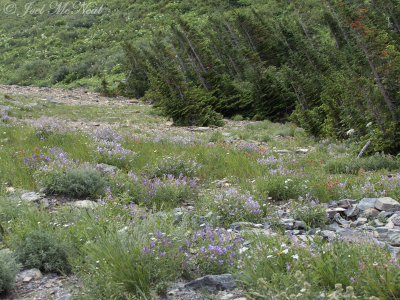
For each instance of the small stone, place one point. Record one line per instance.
(85, 204)
(334, 226)
(367, 203)
(227, 297)
(107, 168)
(327, 234)
(27, 279)
(382, 230)
(352, 211)
(45, 202)
(302, 151)
(65, 297)
(331, 212)
(378, 223)
(300, 225)
(361, 221)
(284, 151)
(387, 204)
(340, 220)
(345, 203)
(242, 225)
(385, 214)
(213, 282)
(30, 196)
(169, 123)
(370, 213)
(241, 298)
(10, 190)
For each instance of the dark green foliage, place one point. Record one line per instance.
(76, 183)
(8, 270)
(41, 250)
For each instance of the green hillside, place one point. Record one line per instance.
(68, 44)
(331, 67)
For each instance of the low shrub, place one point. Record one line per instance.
(130, 265)
(176, 166)
(42, 250)
(280, 186)
(308, 211)
(78, 182)
(159, 193)
(232, 206)
(8, 270)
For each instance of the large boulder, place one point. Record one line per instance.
(387, 204)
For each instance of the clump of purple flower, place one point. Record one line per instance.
(46, 126)
(114, 149)
(107, 134)
(232, 205)
(212, 250)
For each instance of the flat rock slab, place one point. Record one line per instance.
(30, 196)
(213, 283)
(85, 204)
(387, 204)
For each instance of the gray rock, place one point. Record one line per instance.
(327, 234)
(65, 297)
(331, 212)
(302, 151)
(367, 203)
(334, 226)
(361, 221)
(395, 219)
(107, 168)
(85, 204)
(344, 203)
(212, 283)
(394, 238)
(284, 151)
(340, 220)
(385, 214)
(31, 273)
(30, 196)
(206, 218)
(243, 225)
(352, 211)
(300, 225)
(382, 230)
(387, 204)
(394, 250)
(369, 213)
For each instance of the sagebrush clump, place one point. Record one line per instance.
(8, 270)
(77, 182)
(42, 250)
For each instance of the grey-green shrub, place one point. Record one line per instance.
(42, 250)
(77, 182)
(8, 270)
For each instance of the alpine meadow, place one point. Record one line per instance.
(230, 150)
